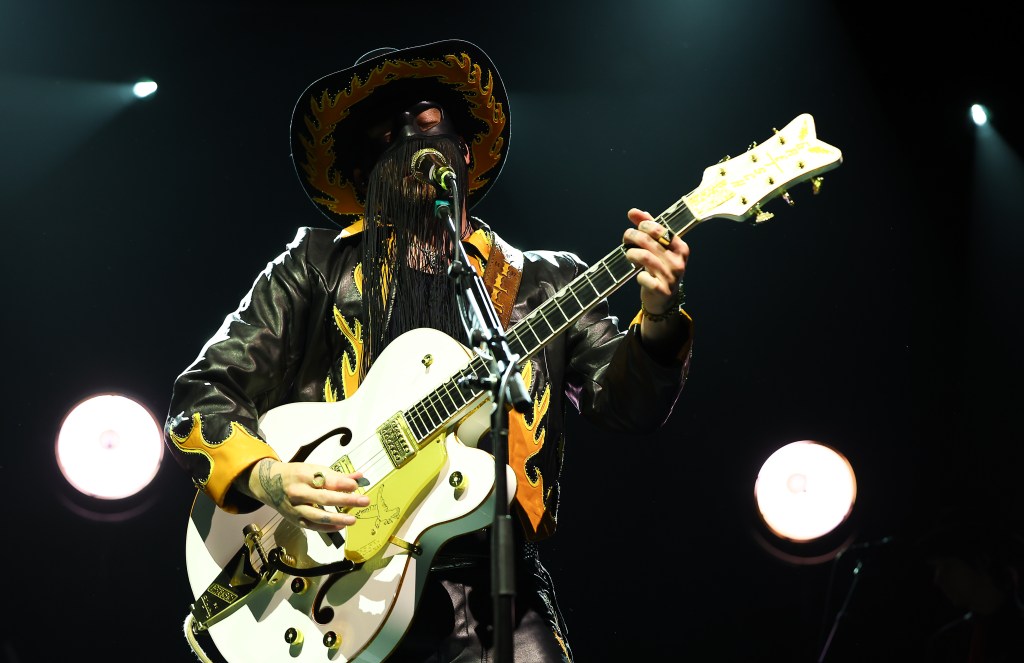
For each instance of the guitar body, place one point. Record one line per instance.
(363, 610)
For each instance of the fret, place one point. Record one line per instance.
(450, 404)
(515, 343)
(517, 333)
(554, 303)
(603, 282)
(571, 290)
(414, 417)
(544, 318)
(597, 292)
(431, 403)
(441, 404)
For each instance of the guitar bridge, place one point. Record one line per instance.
(237, 580)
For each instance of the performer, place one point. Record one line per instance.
(323, 311)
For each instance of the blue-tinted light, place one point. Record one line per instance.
(144, 88)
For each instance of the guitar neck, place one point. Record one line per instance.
(601, 279)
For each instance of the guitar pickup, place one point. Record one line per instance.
(397, 439)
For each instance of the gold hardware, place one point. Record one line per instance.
(405, 545)
(427, 360)
(293, 636)
(761, 215)
(332, 640)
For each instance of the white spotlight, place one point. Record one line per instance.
(144, 88)
(805, 490)
(979, 114)
(109, 447)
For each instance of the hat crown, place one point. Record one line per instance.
(377, 52)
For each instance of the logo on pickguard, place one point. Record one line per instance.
(382, 514)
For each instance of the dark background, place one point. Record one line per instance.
(879, 317)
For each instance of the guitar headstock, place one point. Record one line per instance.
(736, 188)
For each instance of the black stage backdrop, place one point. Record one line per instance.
(878, 316)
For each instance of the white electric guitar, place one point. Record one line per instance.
(266, 590)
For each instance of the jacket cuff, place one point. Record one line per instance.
(227, 459)
(683, 353)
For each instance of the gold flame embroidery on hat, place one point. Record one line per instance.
(457, 71)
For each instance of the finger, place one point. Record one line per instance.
(324, 520)
(324, 477)
(340, 499)
(653, 283)
(638, 238)
(663, 235)
(654, 272)
(636, 215)
(338, 491)
(653, 286)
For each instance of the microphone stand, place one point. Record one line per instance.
(857, 570)
(483, 328)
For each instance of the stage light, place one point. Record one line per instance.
(979, 114)
(803, 493)
(109, 447)
(144, 88)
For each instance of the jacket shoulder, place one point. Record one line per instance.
(318, 243)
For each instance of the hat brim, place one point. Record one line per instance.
(337, 111)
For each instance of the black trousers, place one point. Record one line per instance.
(454, 620)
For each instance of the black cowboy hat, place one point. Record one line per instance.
(333, 117)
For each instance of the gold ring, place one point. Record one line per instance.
(666, 237)
(319, 479)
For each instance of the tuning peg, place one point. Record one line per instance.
(752, 146)
(789, 201)
(761, 215)
(816, 184)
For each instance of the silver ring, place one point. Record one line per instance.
(319, 479)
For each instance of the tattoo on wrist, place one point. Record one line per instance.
(273, 484)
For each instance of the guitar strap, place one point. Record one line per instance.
(502, 276)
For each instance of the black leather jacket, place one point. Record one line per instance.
(296, 337)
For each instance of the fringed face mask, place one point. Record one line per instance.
(406, 248)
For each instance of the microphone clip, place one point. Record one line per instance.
(429, 165)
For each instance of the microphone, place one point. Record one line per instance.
(429, 166)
